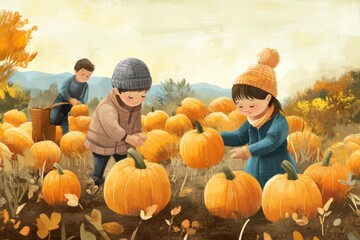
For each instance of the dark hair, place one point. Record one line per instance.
(241, 91)
(137, 90)
(84, 63)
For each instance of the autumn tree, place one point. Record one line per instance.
(13, 42)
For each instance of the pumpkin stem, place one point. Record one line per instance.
(228, 173)
(290, 170)
(152, 109)
(59, 168)
(138, 159)
(327, 159)
(199, 128)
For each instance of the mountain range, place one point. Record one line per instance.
(99, 87)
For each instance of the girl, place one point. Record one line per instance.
(266, 129)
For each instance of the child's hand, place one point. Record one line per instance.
(240, 153)
(74, 101)
(142, 136)
(134, 140)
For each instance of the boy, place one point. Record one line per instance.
(75, 91)
(116, 122)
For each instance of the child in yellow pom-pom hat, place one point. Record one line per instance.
(266, 129)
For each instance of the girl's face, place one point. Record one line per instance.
(254, 108)
(82, 75)
(133, 98)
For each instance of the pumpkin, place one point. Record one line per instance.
(5, 153)
(178, 125)
(201, 147)
(353, 163)
(303, 146)
(79, 110)
(59, 182)
(159, 146)
(134, 184)
(231, 194)
(58, 134)
(295, 123)
(236, 119)
(218, 121)
(27, 126)
(342, 151)
(45, 151)
(352, 138)
(72, 144)
(142, 123)
(290, 193)
(15, 117)
(194, 109)
(326, 176)
(222, 104)
(17, 140)
(155, 120)
(80, 123)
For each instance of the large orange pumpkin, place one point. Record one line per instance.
(222, 104)
(304, 146)
(232, 194)
(159, 146)
(326, 176)
(17, 140)
(236, 119)
(72, 144)
(352, 138)
(15, 117)
(201, 147)
(353, 163)
(295, 123)
(80, 123)
(155, 120)
(79, 110)
(59, 182)
(45, 151)
(218, 121)
(178, 125)
(134, 184)
(290, 193)
(342, 151)
(194, 109)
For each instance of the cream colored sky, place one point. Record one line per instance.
(209, 41)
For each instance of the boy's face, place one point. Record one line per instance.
(82, 75)
(133, 98)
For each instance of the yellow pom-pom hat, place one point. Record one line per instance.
(262, 75)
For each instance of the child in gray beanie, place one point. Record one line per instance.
(116, 122)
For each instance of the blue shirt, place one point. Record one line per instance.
(74, 89)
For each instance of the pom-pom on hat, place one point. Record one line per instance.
(131, 74)
(262, 75)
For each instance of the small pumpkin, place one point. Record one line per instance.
(134, 184)
(142, 123)
(295, 124)
(222, 104)
(218, 121)
(178, 125)
(80, 123)
(79, 110)
(236, 119)
(27, 126)
(232, 194)
(326, 176)
(58, 134)
(155, 119)
(45, 151)
(194, 109)
(290, 193)
(15, 117)
(201, 147)
(5, 153)
(304, 146)
(353, 163)
(17, 140)
(352, 138)
(342, 151)
(59, 182)
(72, 144)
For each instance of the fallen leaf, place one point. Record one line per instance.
(25, 231)
(18, 210)
(354, 235)
(195, 224)
(190, 231)
(113, 228)
(294, 216)
(150, 210)
(42, 229)
(327, 213)
(73, 200)
(6, 216)
(337, 222)
(167, 222)
(17, 224)
(175, 211)
(315, 238)
(327, 204)
(40, 196)
(185, 223)
(297, 236)
(95, 219)
(176, 229)
(85, 235)
(32, 190)
(186, 191)
(267, 236)
(303, 221)
(143, 215)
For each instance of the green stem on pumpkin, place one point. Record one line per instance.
(138, 159)
(152, 109)
(290, 170)
(59, 168)
(228, 173)
(198, 127)
(327, 159)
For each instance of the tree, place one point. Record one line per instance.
(13, 42)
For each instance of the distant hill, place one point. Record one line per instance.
(100, 86)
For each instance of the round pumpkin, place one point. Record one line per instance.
(27, 126)
(304, 146)
(194, 109)
(222, 104)
(353, 163)
(5, 153)
(17, 140)
(342, 151)
(142, 123)
(218, 121)
(232, 194)
(15, 117)
(159, 146)
(201, 147)
(58, 134)
(352, 138)
(72, 144)
(326, 176)
(79, 110)
(178, 125)
(80, 123)
(295, 123)
(155, 120)
(45, 151)
(236, 119)
(290, 193)
(134, 184)
(59, 182)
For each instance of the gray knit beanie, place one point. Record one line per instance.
(131, 74)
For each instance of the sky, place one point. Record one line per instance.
(203, 41)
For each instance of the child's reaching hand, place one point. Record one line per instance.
(241, 153)
(134, 140)
(142, 136)
(74, 101)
